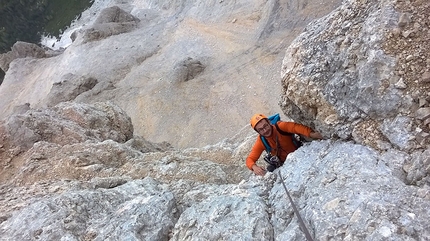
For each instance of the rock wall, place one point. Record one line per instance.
(80, 171)
(135, 52)
(349, 76)
(360, 74)
(128, 188)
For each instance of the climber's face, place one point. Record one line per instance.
(264, 128)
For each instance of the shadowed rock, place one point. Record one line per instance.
(69, 88)
(187, 69)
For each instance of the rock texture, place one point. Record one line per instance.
(348, 196)
(349, 74)
(62, 178)
(68, 123)
(81, 214)
(76, 162)
(131, 189)
(188, 69)
(148, 58)
(20, 50)
(111, 21)
(69, 88)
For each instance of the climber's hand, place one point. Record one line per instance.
(315, 135)
(258, 170)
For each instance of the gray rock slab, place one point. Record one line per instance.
(398, 131)
(227, 212)
(136, 210)
(347, 195)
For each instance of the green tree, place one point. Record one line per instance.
(21, 20)
(27, 20)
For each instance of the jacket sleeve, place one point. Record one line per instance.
(255, 153)
(295, 128)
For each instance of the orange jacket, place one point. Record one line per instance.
(285, 142)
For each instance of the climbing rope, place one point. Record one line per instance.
(296, 211)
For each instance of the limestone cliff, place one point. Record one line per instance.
(81, 141)
(140, 54)
(362, 74)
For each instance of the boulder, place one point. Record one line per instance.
(187, 69)
(111, 21)
(68, 123)
(20, 50)
(69, 88)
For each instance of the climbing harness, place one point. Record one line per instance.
(301, 223)
(273, 160)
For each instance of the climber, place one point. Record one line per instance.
(279, 138)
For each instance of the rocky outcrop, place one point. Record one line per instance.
(69, 88)
(111, 21)
(20, 50)
(346, 75)
(96, 189)
(67, 123)
(80, 171)
(187, 69)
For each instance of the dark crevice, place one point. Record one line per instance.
(2, 74)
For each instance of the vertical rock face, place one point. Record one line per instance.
(344, 74)
(81, 171)
(347, 76)
(335, 71)
(170, 65)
